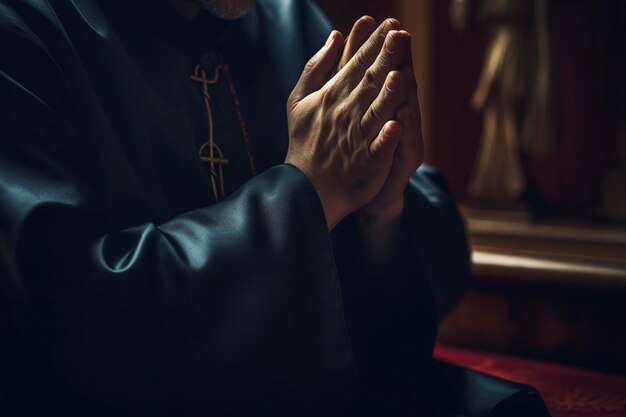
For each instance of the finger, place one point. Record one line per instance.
(360, 32)
(383, 147)
(410, 150)
(409, 73)
(317, 71)
(413, 105)
(366, 55)
(384, 107)
(390, 57)
(405, 160)
(411, 117)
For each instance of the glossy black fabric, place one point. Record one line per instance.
(455, 391)
(127, 290)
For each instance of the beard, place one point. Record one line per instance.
(227, 9)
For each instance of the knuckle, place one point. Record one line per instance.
(328, 97)
(342, 113)
(369, 78)
(290, 101)
(293, 96)
(385, 59)
(374, 113)
(345, 147)
(360, 62)
(311, 63)
(358, 131)
(387, 94)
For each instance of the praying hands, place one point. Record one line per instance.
(160, 260)
(357, 136)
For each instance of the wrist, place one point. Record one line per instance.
(378, 214)
(331, 207)
(381, 229)
(334, 209)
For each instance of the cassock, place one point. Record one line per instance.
(156, 254)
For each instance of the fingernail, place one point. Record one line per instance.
(390, 42)
(392, 83)
(330, 38)
(369, 19)
(389, 23)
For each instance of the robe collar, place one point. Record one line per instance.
(161, 19)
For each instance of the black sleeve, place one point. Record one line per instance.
(435, 240)
(392, 310)
(438, 235)
(236, 300)
(433, 252)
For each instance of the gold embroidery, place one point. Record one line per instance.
(217, 176)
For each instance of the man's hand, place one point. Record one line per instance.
(342, 135)
(409, 154)
(388, 204)
(379, 220)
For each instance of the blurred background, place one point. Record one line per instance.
(524, 111)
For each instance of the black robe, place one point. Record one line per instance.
(127, 289)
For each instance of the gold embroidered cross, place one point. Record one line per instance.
(209, 151)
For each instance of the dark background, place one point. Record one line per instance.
(557, 288)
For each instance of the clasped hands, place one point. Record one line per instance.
(356, 135)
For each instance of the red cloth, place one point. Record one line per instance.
(567, 391)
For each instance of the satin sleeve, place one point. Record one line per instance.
(439, 237)
(393, 309)
(236, 300)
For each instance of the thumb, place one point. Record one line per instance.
(383, 147)
(319, 68)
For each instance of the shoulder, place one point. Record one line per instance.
(34, 47)
(29, 21)
(303, 9)
(303, 17)
(283, 35)
(48, 28)
(22, 23)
